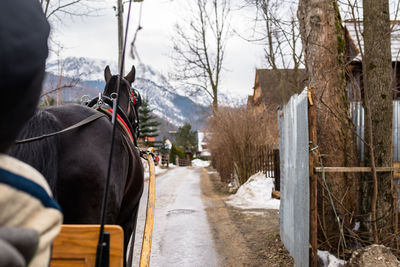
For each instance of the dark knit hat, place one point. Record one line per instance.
(24, 31)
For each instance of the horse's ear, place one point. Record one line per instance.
(131, 75)
(107, 74)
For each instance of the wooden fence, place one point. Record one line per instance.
(265, 159)
(183, 162)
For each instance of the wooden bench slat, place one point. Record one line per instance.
(76, 246)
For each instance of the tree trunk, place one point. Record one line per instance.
(324, 46)
(215, 97)
(377, 70)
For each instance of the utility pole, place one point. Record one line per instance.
(120, 16)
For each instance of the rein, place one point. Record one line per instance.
(75, 126)
(122, 117)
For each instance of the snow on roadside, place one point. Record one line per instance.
(255, 194)
(329, 260)
(200, 163)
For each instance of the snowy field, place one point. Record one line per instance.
(255, 194)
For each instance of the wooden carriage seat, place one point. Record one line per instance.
(76, 246)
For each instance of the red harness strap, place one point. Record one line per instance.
(122, 122)
(134, 99)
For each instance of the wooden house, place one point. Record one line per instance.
(354, 43)
(274, 87)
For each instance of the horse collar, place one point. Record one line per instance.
(121, 122)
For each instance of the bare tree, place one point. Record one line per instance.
(280, 32)
(55, 9)
(54, 88)
(377, 75)
(324, 47)
(199, 46)
(276, 26)
(372, 27)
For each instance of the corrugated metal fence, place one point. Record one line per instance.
(295, 200)
(357, 115)
(294, 160)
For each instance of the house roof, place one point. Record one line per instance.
(277, 86)
(354, 27)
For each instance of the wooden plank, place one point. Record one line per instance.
(354, 169)
(148, 227)
(396, 173)
(313, 161)
(76, 246)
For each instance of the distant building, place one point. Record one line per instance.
(168, 144)
(149, 139)
(274, 87)
(202, 150)
(354, 39)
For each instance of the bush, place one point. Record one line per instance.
(236, 136)
(176, 151)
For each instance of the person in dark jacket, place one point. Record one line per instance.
(27, 208)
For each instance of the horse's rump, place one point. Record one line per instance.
(41, 154)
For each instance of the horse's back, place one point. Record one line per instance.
(83, 164)
(83, 167)
(80, 159)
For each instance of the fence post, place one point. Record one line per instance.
(277, 171)
(313, 160)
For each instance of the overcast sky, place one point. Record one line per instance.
(96, 37)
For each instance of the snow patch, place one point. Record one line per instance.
(200, 163)
(258, 213)
(329, 260)
(158, 169)
(255, 194)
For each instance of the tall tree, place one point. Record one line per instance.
(186, 138)
(324, 46)
(377, 75)
(148, 123)
(279, 31)
(199, 46)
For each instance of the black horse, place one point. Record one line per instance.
(75, 162)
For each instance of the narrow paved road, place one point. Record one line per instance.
(181, 235)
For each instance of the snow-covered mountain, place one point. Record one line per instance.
(83, 68)
(166, 102)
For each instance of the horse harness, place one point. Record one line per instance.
(104, 105)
